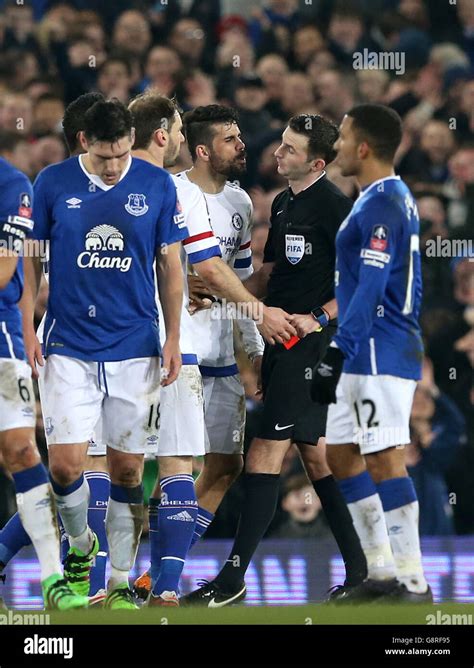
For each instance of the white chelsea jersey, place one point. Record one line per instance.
(230, 213)
(200, 245)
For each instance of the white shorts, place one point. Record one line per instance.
(17, 399)
(182, 431)
(120, 397)
(224, 414)
(372, 411)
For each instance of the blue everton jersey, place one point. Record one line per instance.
(103, 244)
(15, 210)
(378, 283)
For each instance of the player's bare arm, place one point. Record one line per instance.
(258, 281)
(33, 271)
(8, 263)
(170, 284)
(307, 323)
(273, 323)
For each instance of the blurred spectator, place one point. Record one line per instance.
(197, 88)
(438, 432)
(297, 97)
(187, 38)
(16, 113)
(459, 190)
(272, 69)
(47, 151)
(15, 149)
(250, 97)
(426, 167)
(307, 42)
(114, 79)
(304, 515)
(47, 115)
(372, 86)
(131, 33)
(334, 94)
(162, 70)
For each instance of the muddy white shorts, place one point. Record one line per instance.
(122, 398)
(17, 399)
(224, 414)
(181, 422)
(372, 411)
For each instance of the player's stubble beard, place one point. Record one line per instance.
(228, 168)
(171, 155)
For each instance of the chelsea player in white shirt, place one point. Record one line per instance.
(107, 227)
(182, 433)
(379, 350)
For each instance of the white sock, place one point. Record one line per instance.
(369, 522)
(123, 524)
(37, 512)
(84, 541)
(402, 524)
(117, 577)
(73, 509)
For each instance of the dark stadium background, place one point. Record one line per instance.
(274, 59)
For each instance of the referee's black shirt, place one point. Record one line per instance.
(301, 243)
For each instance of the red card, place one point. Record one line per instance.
(292, 342)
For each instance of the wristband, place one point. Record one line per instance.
(321, 316)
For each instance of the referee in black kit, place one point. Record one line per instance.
(298, 276)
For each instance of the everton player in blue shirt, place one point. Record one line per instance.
(107, 217)
(17, 409)
(378, 349)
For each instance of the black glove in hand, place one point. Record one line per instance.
(326, 377)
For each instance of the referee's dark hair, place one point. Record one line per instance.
(107, 121)
(73, 121)
(322, 135)
(380, 127)
(199, 124)
(151, 111)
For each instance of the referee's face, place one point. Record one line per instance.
(292, 156)
(347, 149)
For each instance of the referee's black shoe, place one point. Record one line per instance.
(211, 595)
(368, 591)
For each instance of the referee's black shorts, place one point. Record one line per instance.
(288, 411)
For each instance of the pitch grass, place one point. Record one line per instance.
(272, 615)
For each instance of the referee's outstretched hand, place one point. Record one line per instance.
(326, 376)
(275, 326)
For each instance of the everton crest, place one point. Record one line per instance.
(294, 247)
(136, 205)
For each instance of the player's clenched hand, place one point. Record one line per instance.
(197, 287)
(326, 376)
(170, 362)
(33, 351)
(305, 324)
(276, 326)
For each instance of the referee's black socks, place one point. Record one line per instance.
(258, 509)
(342, 527)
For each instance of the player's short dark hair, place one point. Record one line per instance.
(199, 125)
(321, 133)
(73, 120)
(151, 111)
(107, 121)
(379, 126)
